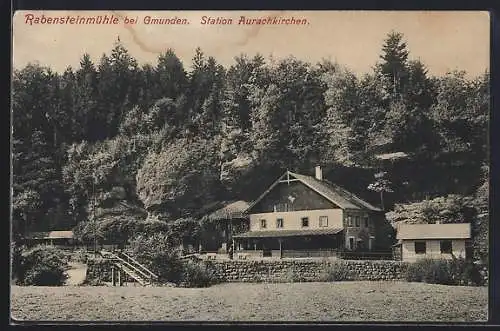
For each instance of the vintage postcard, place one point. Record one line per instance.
(250, 166)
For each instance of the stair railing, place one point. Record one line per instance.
(139, 272)
(132, 274)
(137, 264)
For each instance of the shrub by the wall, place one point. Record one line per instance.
(159, 254)
(197, 274)
(466, 273)
(43, 266)
(430, 271)
(98, 271)
(446, 272)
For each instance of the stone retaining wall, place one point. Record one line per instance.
(99, 270)
(304, 270)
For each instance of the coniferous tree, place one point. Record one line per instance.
(394, 65)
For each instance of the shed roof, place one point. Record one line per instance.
(60, 234)
(230, 210)
(434, 231)
(51, 235)
(287, 233)
(391, 156)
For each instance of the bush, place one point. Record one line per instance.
(81, 255)
(43, 266)
(430, 271)
(337, 271)
(160, 255)
(197, 274)
(16, 251)
(446, 272)
(466, 273)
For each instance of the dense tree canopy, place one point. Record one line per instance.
(176, 139)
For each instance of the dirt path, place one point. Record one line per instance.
(76, 273)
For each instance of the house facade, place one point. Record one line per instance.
(301, 215)
(436, 241)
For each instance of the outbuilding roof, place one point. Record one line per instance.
(434, 231)
(52, 235)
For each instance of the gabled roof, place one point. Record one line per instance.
(434, 231)
(335, 193)
(332, 192)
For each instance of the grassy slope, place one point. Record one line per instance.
(341, 301)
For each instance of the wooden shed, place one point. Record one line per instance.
(416, 241)
(57, 238)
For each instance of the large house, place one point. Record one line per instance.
(443, 241)
(301, 215)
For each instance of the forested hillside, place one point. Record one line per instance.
(173, 138)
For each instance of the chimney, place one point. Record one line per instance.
(319, 173)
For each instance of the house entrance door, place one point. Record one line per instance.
(266, 251)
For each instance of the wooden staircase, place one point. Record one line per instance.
(125, 263)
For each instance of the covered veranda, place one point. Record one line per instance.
(288, 243)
